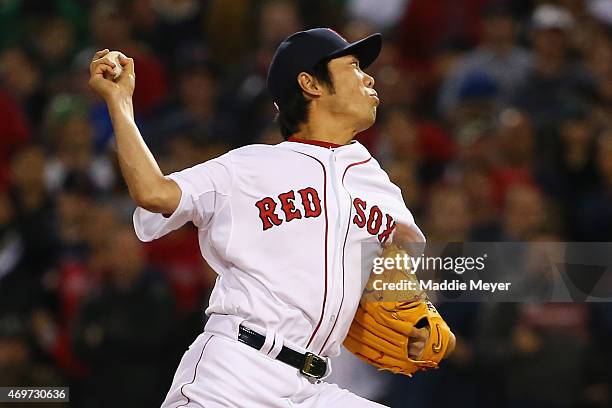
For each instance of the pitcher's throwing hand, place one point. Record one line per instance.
(102, 70)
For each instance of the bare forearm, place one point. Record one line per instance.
(146, 183)
(410, 238)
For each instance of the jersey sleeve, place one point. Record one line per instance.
(200, 187)
(402, 213)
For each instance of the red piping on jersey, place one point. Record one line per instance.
(348, 225)
(314, 142)
(354, 164)
(316, 329)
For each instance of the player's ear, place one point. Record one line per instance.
(309, 84)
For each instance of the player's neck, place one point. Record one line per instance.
(329, 132)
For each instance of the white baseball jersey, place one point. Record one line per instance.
(291, 231)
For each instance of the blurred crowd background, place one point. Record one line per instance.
(496, 122)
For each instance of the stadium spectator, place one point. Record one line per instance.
(498, 57)
(122, 329)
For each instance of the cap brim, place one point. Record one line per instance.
(366, 50)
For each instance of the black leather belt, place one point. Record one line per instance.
(308, 364)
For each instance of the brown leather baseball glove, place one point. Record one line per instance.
(386, 319)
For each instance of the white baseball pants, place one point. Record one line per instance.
(219, 372)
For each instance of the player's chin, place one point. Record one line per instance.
(366, 122)
(372, 116)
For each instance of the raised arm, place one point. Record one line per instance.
(146, 183)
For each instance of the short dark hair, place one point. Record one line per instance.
(295, 112)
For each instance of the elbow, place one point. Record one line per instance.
(149, 201)
(156, 200)
(142, 200)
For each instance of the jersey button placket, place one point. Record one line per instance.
(336, 276)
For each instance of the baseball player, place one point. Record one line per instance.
(287, 229)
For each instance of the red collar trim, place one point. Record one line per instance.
(314, 142)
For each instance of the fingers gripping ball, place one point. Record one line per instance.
(111, 75)
(385, 322)
(113, 56)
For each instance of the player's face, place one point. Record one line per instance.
(354, 97)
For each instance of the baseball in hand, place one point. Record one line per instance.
(113, 56)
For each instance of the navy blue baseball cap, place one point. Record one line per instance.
(303, 50)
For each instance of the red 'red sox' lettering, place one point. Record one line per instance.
(360, 218)
(288, 206)
(266, 206)
(311, 207)
(373, 222)
(274, 212)
(311, 201)
(384, 236)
